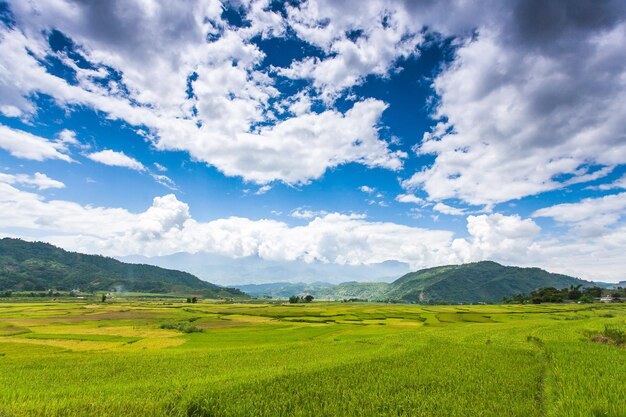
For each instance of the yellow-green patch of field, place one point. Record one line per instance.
(156, 358)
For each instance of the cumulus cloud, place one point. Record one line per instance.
(446, 209)
(521, 113)
(68, 136)
(302, 213)
(38, 180)
(167, 227)
(211, 97)
(501, 237)
(366, 38)
(160, 167)
(262, 190)
(24, 145)
(532, 101)
(116, 159)
(409, 198)
(619, 183)
(165, 181)
(374, 51)
(601, 211)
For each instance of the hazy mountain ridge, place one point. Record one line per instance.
(255, 270)
(484, 281)
(38, 266)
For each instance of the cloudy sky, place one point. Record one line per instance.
(338, 132)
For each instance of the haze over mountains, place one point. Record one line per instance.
(224, 270)
(484, 281)
(37, 266)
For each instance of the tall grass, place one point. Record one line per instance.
(323, 359)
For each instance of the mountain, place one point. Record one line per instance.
(469, 283)
(374, 291)
(255, 270)
(283, 289)
(475, 282)
(38, 266)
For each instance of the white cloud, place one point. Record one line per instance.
(298, 149)
(24, 145)
(262, 190)
(367, 189)
(359, 38)
(165, 181)
(167, 227)
(521, 109)
(219, 123)
(409, 198)
(301, 213)
(601, 211)
(38, 180)
(160, 167)
(116, 159)
(449, 210)
(619, 183)
(68, 136)
(523, 113)
(501, 237)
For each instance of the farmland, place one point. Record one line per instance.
(132, 358)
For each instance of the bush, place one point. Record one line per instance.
(184, 327)
(616, 333)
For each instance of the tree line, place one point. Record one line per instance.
(574, 293)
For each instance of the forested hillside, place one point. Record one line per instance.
(38, 266)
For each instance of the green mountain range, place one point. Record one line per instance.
(475, 282)
(38, 266)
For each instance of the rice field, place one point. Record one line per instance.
(162, 358)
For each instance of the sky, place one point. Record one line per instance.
(325, 132)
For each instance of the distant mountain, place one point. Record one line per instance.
(374, 291)
(469, 283)
(475, 282)
(283, 289)
(38, 266)
(255, 270)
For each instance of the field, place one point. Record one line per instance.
(154, 358)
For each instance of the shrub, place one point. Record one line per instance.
(615, 333)
(184, 327)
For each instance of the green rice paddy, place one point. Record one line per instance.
(322, 359)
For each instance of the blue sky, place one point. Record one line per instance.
(319, 132)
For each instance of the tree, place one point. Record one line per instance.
(309, 298)
(595, 292)
(574, 292)
(104, 297)
(194, 300)
(294, 299)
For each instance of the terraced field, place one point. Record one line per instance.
(321, 359)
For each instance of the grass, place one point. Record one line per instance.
(135, 358)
